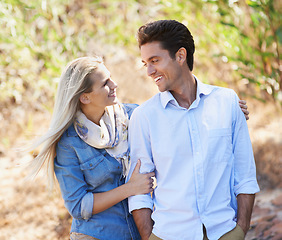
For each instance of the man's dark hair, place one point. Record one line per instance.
(171, 34)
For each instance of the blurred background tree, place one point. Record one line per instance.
(238, 43)
(255, 43)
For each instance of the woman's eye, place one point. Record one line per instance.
(106, 83)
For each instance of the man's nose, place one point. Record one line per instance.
(150, 70)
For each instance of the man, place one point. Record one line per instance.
(195, 137)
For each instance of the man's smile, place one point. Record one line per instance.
(157, 79)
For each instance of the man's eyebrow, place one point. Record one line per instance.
(149, 59)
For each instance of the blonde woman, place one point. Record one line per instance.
(86, 146)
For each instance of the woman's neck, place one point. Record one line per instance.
(93, 115)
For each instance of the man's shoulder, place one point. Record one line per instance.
(150, 104)
(148, 108)
(223, 92)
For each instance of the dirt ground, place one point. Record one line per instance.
(29, 212)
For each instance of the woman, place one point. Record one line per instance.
(86, 146)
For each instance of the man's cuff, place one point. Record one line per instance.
(249, 186)
(140, 201)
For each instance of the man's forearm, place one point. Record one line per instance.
(144, 222)
(245, 208)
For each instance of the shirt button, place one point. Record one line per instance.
(90, 164)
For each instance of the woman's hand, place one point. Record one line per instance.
(244, 107)
(140, 183)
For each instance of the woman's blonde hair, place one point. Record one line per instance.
(73, 82)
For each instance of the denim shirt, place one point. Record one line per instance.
(82, 170)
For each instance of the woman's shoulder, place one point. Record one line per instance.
(70, 137)
(129, 108)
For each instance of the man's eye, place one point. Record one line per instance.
(106, 83)
(145, 65)
(155, 60)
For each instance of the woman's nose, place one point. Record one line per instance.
(113, 84)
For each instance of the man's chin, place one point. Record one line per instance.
(161, 89)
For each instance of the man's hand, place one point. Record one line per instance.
(244, 108)
(245, 208)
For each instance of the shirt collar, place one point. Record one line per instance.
(166, 97)
(202, 89)
(71, 131)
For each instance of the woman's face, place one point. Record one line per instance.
(104, 88)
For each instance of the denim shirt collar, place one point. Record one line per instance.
(71, 131)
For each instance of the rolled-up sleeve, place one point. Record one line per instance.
(73, 187)
(87, 205)
(245, 181)
(140, 148)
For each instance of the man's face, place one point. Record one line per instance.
(160, 66)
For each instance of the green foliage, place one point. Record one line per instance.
(253, 29)
(38, 38)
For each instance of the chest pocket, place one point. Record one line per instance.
(98, 170)
(220, 145)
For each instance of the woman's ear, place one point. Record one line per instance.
(84, 99)
(181, 55)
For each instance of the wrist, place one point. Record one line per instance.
(245, 226)
(128, 189)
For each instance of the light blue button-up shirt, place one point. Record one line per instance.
(202, 157)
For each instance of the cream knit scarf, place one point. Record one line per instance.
(111, 134)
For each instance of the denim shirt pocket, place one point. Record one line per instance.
(95, 170)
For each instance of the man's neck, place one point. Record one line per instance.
(185, 94)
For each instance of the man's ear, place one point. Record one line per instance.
(181, 55)
(84, 98)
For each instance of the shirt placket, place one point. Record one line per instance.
(198, 167)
